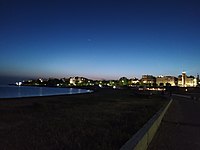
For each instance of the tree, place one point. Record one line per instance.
(123, 81)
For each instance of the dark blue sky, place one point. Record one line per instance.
(99, 38)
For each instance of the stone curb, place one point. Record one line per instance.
(142, 139)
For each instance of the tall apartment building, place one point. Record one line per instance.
(187, 81)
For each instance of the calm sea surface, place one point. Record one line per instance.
(27, 91)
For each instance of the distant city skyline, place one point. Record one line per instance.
(98, 39)
(12, 80)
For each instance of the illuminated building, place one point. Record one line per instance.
(148, 79)
(77, 80)
(134, 81)
(166, 81)
(183, 79)
(187, 81)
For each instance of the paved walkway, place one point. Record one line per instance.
(180, 128)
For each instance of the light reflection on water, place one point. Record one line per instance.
(26, 91)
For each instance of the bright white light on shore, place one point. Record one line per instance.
(114, 87)
(100, 85)
(18, 83)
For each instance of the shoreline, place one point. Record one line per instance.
(42, 93)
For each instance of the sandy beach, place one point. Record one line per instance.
(104, 119)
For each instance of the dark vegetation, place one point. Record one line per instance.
(105, 119)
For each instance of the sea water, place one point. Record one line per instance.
(27, 91)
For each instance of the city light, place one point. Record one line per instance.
(18, 83)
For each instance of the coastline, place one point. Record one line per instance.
(38, 91)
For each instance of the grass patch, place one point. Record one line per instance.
(105, 119)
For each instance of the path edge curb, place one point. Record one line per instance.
(142, 138)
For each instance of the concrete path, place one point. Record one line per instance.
(180, 128)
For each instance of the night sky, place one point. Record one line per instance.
(99, 39)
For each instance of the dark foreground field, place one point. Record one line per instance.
(105, 119)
